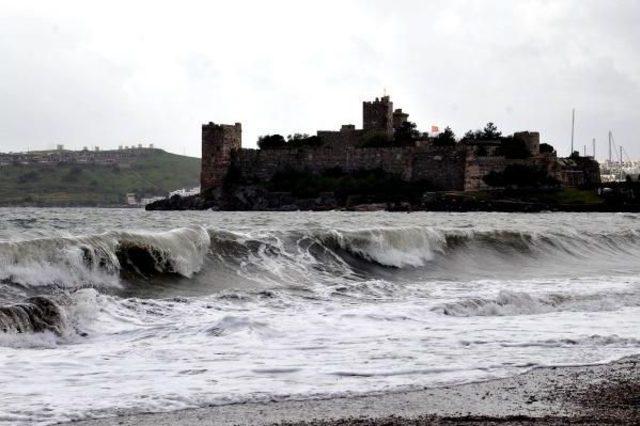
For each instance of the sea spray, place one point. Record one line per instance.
(236, 307)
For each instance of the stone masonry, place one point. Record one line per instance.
(377, 116)
(461, 167)
(220, 143)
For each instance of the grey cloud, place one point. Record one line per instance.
(119, 75)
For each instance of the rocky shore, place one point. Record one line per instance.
(256, 198)
(585, 395)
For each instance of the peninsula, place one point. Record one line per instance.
(92, 178)
(389, 164)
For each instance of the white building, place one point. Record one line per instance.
(185, 192)
(131, 199)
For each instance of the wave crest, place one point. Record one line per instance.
(97, 260)
(36, 314)
(509, 303)
(288, 255)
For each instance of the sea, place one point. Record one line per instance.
(107, 312)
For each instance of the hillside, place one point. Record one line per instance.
(156, 173)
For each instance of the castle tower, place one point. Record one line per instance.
(531, 141)
(377, 116)
(219, 143)
(399, 118)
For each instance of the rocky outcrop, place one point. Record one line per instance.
(248, 198)
(256, 198)
(193, 202)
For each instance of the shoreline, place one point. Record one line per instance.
(592, 394)
(258, 199)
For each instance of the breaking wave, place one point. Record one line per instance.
(98, 260)
(519, 303)
(417, 247)
(39, 276)
(43, 321)
(104, 260)
(36, 314)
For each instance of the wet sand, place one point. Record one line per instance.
(601, 394)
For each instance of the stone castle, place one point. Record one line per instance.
(456, 167)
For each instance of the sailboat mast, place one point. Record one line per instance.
(573, 126)
(621, 168)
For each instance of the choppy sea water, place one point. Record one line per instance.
(105, 312)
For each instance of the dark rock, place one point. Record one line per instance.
(192, 202)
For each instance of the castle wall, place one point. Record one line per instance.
(444, 168)
(478, 167)
(578, 172)
(345, 136)
(462, 167)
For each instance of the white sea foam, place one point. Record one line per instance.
(521, 303)
(258, 307)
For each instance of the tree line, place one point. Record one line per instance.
(408, 134)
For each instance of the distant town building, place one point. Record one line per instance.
(617, 171)
(84, 156)
(185, 192)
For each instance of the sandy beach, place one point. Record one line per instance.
(600, 394)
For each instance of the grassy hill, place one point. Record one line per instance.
(156, 173)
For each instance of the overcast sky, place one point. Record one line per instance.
(110, 73)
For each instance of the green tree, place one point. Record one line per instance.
(297, 137)
(271, 142)
(406, 134)
(472, 135)
(446, 138)
(490, 132)
(545, 148)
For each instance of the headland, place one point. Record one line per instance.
(123, 177)
(388, 164)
